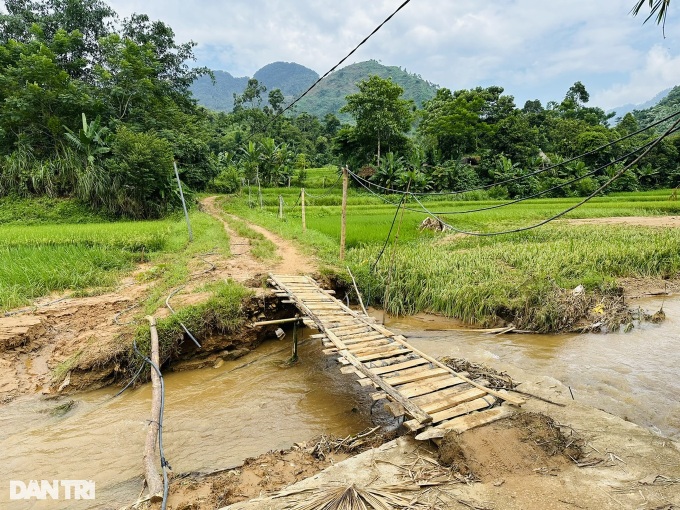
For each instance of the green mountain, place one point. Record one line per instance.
(329, 95)
(293, 79)
(667, 106)
(220, 95)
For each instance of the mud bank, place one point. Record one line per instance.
(78, 344)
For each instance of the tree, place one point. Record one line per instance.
(382, 116)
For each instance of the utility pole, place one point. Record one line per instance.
(302, 205)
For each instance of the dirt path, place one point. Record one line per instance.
(41, 345)
(292, 261)
(637, 221)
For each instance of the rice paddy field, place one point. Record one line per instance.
(476, 279)
(56, 246)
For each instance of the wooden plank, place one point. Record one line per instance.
(385, 362)
(363, 349)
(378, 395)
(508, 398)
(417, 389)
(415, 376)
(463, 423)
(443, 394)
(351, 330)
(412, 409)
(461, 398)
(383, 355)
(349, 369)
(399, 366)
(459, 410)
(368, 344)
(360, 335)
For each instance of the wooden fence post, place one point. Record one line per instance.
(302, 205)
(343, 220)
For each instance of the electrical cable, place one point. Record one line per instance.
(387, 239)
(164, 463)
(343, 59)
(531, 174)
(569, 209)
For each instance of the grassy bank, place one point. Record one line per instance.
(520, 277)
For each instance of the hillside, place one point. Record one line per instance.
(667, 106)
(220, 95)
(621, 111)
(329, 95)
(291, 78)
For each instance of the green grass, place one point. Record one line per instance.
(478, 279)
(33, 211)
(221, 314)
(38, 259)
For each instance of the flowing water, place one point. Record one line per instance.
(633, 375)
(214, 418)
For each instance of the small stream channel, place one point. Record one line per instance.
(217, 417)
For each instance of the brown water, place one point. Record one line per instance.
(214, 418)
(633, 375)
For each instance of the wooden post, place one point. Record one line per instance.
(302, 205)
(343, 220)
(294, 357)
(259, 191)
(153, 479)
(280, 207)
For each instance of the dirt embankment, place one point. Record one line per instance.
(65, 344)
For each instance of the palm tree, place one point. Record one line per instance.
(658, 7)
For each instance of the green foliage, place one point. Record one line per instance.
(141, 173)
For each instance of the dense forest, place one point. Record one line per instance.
(98, 108)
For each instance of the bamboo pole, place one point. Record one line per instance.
(280, 207)
(343, 220)
(361, 301)
(153, 479)
(184, 204)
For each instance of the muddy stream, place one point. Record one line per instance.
(216, 417)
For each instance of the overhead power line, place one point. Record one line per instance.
(345, 58)
(569, 209)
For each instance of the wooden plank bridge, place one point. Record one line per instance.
(433, 396)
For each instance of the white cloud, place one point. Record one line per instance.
(661, 70)
(533, 49)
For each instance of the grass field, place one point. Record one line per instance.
(477, 279)
(52, 253)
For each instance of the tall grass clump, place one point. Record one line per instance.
(481, 280)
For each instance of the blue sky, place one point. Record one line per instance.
(534, 49)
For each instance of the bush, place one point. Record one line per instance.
(227, 181)
(141, 171)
